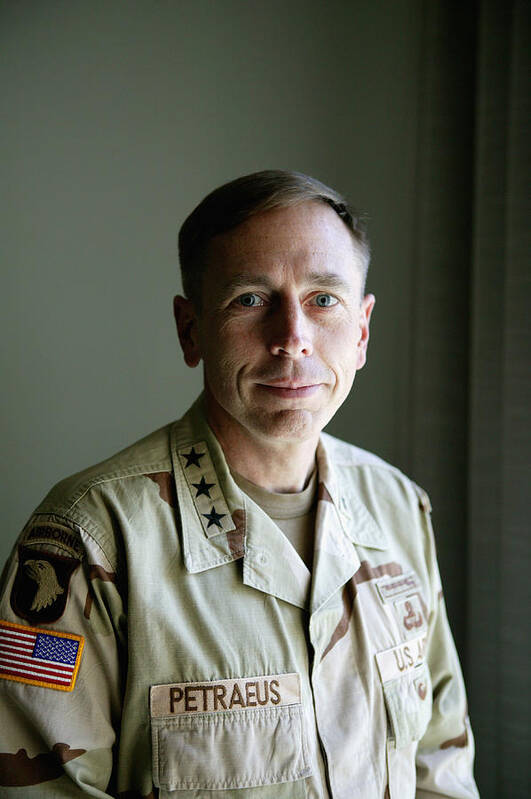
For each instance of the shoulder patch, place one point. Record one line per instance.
(40, 588)
(46, 658)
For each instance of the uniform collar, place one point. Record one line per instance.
(342, 523)
(356, 520)
(221, 524)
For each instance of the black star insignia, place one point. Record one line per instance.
(203, 488)
(213, 517)
(192, 457)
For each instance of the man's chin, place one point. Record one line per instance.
(287, 425)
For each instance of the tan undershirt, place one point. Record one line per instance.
(293, 513)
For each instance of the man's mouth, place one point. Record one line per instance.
(290, 390)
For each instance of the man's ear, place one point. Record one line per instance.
(187, 329)
(367, 304)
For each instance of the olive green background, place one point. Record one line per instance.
(118, 118)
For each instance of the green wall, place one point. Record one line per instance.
(117, 119)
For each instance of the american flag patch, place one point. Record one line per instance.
(39, 657)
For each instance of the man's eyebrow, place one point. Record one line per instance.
(244, 280)
(328, 280)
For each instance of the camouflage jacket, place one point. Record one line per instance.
(161, 637)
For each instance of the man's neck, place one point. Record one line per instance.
(286, 470)
(276, 465)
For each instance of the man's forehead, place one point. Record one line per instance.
(308, 243)
(256, 257)
(286, 234)
(313, 226)
(272, 268)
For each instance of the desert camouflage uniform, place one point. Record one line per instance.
(214, 664)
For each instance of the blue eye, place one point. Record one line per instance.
(324, 300)
(250, 300)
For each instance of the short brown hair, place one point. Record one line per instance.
(233, 203)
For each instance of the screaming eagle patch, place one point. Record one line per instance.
(40, 589)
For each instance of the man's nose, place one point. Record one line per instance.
(290, 333)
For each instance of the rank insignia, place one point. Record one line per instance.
(39, 657)
(214, 518)
(192, 457)
(40, 589)
(205, 490)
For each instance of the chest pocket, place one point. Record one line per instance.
(408, 703)
(406, 687)
(240, 748)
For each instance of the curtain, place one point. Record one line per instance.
(468, 427)
(499, 562)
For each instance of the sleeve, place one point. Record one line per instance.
(62, 640)
(445, 754)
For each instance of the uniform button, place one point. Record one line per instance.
(262, 558)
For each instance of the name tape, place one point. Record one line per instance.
(221, 695)
(401, 659)
(390, 588)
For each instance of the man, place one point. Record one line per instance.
(239, 605)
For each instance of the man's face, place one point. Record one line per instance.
(282, 329)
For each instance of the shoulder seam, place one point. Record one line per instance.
(421, 493)
(133, 471)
